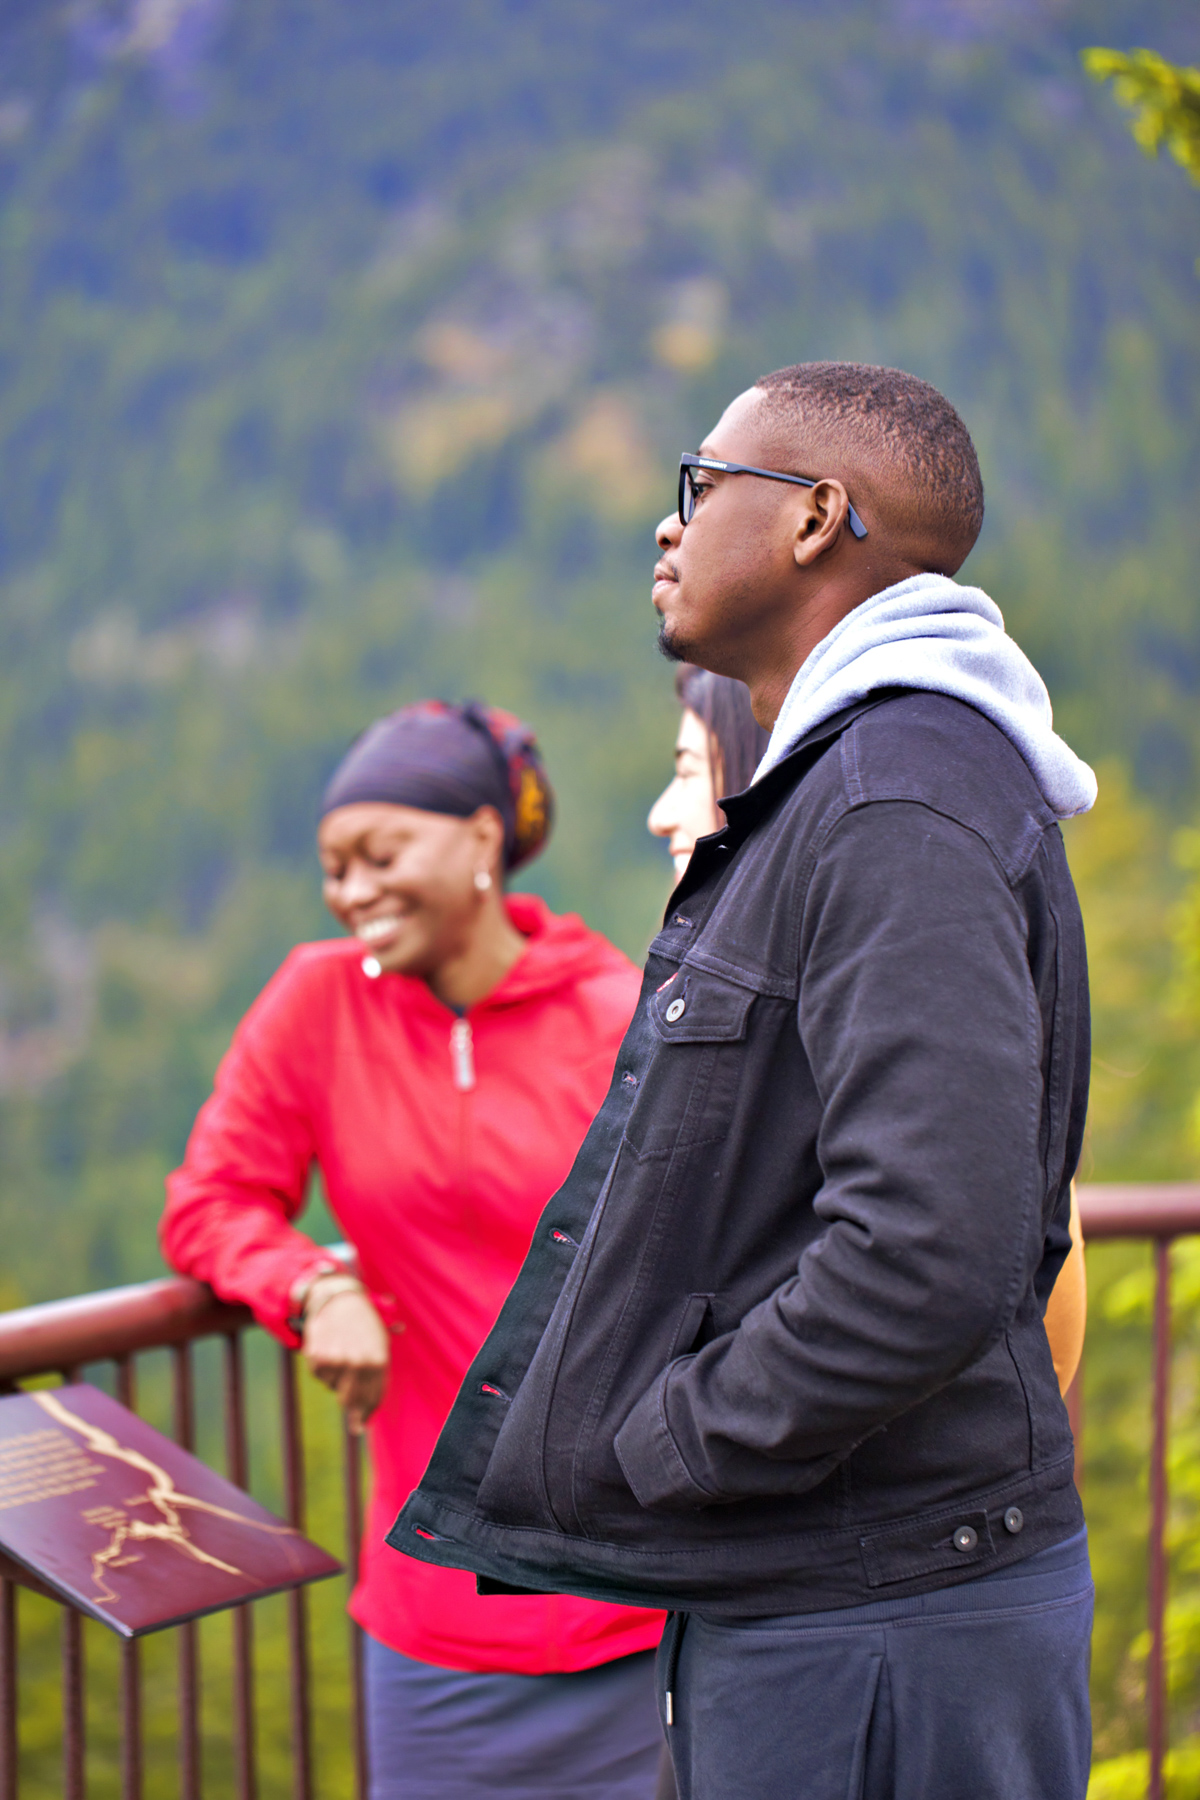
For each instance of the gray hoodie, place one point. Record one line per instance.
(929, 632)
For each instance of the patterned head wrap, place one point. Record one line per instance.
(452, 759)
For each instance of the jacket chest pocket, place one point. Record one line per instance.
(688, 1092)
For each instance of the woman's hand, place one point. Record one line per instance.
(346, 1345)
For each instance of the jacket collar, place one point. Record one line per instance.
(745, 811)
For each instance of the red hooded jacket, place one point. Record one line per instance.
(438, 1184)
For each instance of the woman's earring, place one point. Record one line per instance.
(483, 880)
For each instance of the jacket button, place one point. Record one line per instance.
(1014, 1518)
(966, 1538)
(675, 1011)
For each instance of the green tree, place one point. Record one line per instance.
(1163, 98)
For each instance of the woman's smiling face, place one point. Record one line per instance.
(403, 880)
(687, 809)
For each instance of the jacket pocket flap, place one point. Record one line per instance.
(699, 1009)
(953, 1541)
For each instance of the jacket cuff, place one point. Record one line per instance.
(271, 1299)
(650, 1459)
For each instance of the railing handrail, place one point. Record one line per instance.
(149, 1315)
(65, 1334)
(55, 1335)
(1153, 1209)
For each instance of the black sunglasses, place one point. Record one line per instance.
(687, 485)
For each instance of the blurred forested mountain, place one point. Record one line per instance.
(345, 355)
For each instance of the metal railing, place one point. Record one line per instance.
(64, 1336)
(1161, 1212)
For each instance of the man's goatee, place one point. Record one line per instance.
(669, 646)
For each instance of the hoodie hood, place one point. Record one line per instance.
(931, 633)
(560, 950)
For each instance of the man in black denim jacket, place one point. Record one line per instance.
(776, 1358)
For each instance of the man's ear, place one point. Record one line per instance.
(820, 520)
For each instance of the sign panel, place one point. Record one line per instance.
(117, 1520)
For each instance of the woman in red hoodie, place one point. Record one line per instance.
(441, 1068)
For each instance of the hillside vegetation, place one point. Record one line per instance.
(345, 356)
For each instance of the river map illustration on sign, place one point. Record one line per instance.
(162, 1495)
(120, 1522)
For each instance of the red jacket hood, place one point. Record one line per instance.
(560, 949)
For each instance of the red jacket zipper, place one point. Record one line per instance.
(462, 1056)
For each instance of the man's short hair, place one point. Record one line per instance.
(902, 438)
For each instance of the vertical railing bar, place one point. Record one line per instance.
(1155, 1672)
(188, 1680)
(353, 1491)
(243, 1704)
(131, 1720)
(297, 1604)
(72, 1705)
(187, 1637)
(74, 1744)
(131, 1650)
(10, 1743)
(243, 1621)
(126, 1382)
(9, 1767)
(235, 1411)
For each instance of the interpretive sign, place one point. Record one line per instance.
(117, 1520)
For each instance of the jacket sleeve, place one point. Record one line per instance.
(919, 1019)
(245, 1174)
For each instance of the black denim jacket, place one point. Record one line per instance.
(778, 1342)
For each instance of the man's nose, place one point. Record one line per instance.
(668, 532)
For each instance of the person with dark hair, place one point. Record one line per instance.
(795, 1382)
(737, 742)
(439, 1066)
(902, 445)
(719, 746)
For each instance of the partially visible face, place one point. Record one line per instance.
(733, 564)
(403, 881)
(687, 809)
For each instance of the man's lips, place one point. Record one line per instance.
(664, 577)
